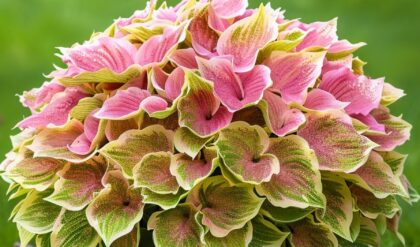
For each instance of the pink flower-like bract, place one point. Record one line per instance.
(209, 124)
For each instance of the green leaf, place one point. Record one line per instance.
(224, 207)
(35, 214)
(102, 76)
(284, 215)
(392, 225)
(247, 158)
(131, 239)
(153, 172)
(165, 201)
(307, 232)
(299, 182)
(35, 173)
(131, 146)
(190, 172)
(43, 240)
(236, 238)
(338, 214)
(77, 184)
(116, 209)
(368, 233)
(395, 160)
(73, 229)
(266, 234)
(336, 143)
(189, 143)
(84, 107)
(372, 207)
(176, 227)
(25, 236)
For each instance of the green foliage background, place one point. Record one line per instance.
(31, 29)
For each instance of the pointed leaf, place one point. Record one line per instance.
(299, 182)
(155, 51)
(294, 73)
(200, 110)
(338, 213)
(184, 58)
(165, 201)
(73, 229)
(190, 172)
(224, 208)
(131, 239)
(246, 158)
(176, 227)
(284, 215)
(236, 238)
(25, 236)
(279, 118)
(307, 232)
(77, 185)
(320, 34)
(395, 160)
(229, 9)
(337, 144)
(235, 91)
(391, 94)
(123, 105)
(35, 214)
(116, 209)
(57, 112)
(243, 39)
(363, 93)
(131, 146)
(398, 130)
(35, 173)
(203, 38)
(187, 142)
(321, 100)
(266, 233)
(85, 107)
(372, 207)
(342, 49)
(153, 173)
(377, 177)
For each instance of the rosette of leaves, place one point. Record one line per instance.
(209, 124)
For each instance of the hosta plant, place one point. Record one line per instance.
(209, 124)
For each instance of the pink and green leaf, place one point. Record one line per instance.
(130, 147)
(338, 213)
(189, 172)
(35, 214)
(299, 182)
(266, 233)
(225, 208)
(199, 110)
(35, 173)
(176, 227)
(236, 238)
(336, 143)
(246, 37)
(280, 119)
(187, 142)
(131, 239)
(284, 215)
(153, 172)
(246, 158)
(229, 9)
(307, 232)
(116, 209)
(391, 94)
(165, 201)
(78, 184)
(68, 228)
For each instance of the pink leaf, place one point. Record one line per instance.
(279, 117)
(228, 9)
(321, 100)
(153, 104)
(363, 93)
(321, 34)
(294, 73)
(57, 112)
(124, 104)
(185, 58)
(204, 39)
(155, 50)
(235, 90)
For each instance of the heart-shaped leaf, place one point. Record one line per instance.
(246, 158)
(307, 232)
(299, 182)
(189, 143)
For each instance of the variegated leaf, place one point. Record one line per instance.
(266, 234)
(236, 238)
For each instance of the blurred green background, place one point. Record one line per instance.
(31, 29)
